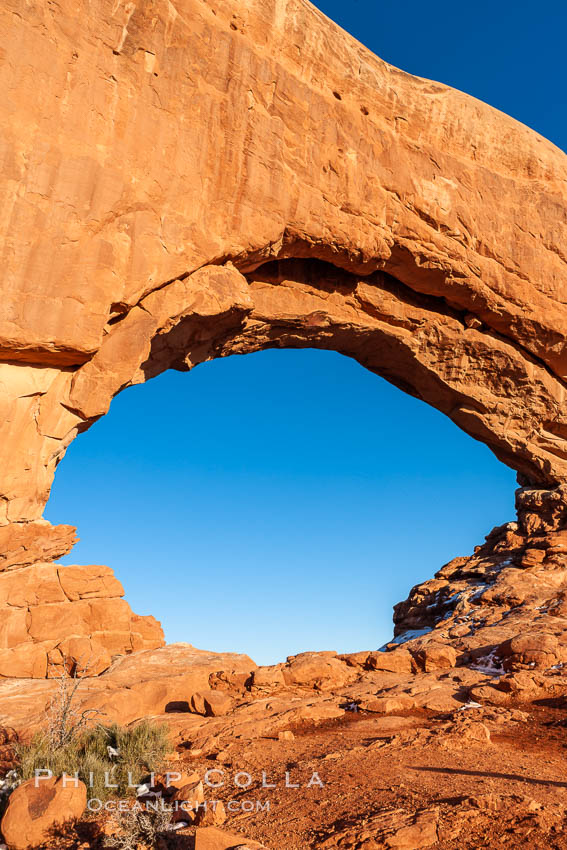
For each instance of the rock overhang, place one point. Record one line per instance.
(145, 148)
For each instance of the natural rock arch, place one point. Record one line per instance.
(148, 142)
(193, 180)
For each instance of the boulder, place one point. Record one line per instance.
(396, 661)
(211, 703)
(212, 814)
(230, 680)
(538, 650)
(355, 659)
(175, 780)
(78, 656)
(316, 669)
(188, 799)
(436, 656)
(388, 705)
(268, 677)
(34, 813)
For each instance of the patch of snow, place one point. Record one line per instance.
(478, 593)
(145, 791)
(409, 635)
(9, 783)
(454, 596)
(470, 704)
(488, 664)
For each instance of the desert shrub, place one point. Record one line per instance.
(100, 755)
(145, 744)
(64, 720)
(139, 751)
(139, 829)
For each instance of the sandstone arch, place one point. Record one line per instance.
(190, 180)
(147, 142)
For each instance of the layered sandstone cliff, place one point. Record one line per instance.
(57, 620)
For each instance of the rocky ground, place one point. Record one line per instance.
(453, 735)
(444, 773)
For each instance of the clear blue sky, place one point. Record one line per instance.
(285, 500)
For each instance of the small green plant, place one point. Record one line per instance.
(108, 759)
(140, 829)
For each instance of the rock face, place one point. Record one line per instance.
(206, 179)
(505, 607)
(56, 619)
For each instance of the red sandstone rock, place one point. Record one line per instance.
(25, 661)
(211, 703)
(388, 705)
(78, 656)
(397, 661)
(91, 582)
(436, 656)
(113, 274)
(26, 543)
(533, 649)
(192, 794)
(214, 814)
(33, 812)
(234, 680)
(397, 829)
(321, 669)
(268, 677)
(29, 586)
(55, 618)
(402, 268)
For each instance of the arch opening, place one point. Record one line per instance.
(300, 499)
(421, 343)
